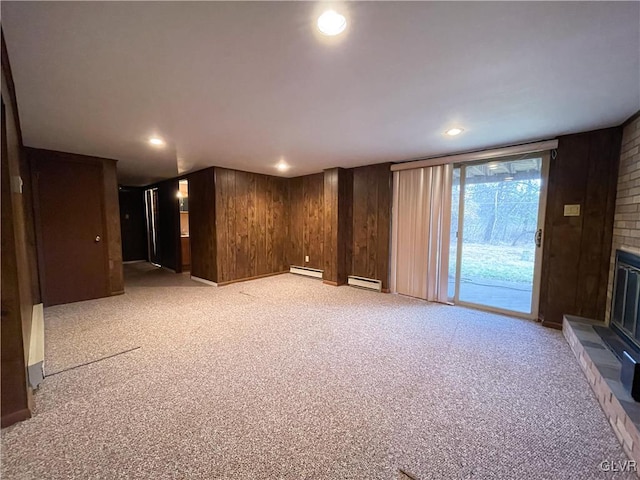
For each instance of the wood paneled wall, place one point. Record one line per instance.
(577, 249)
(306, 203)
(251, 223)
(133, 229)
(338, 225)
(372, 222)
(202, 225)
(16, 284)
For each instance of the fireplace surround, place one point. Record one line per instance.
(625, 308)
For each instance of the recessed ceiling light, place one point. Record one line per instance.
(493, 166)
(331, 23)
(282, 166)
(156, 141)
(508, 179)
(452, 132)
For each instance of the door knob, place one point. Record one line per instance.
(98, 238)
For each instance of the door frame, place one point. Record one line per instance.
(537, 270)
(151, 215)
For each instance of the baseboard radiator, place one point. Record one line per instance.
(309, 272)
(36, 347)
(367, 283)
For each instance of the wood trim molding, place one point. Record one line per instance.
(557, 326)
(329, 282)
(15, 417)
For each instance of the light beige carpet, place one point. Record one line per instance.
(288, 378)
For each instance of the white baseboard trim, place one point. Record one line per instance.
(202, 280)
(128, 262)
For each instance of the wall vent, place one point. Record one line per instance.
(368, 283)
(309, 272)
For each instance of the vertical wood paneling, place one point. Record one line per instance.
(330, 262)
(360, 194)
(577, 249)
(313, 217)
(338, 239)
(202, 225)
(263, 203)
(371, 222)
(252, 224)
(295, 243)
(279, 217)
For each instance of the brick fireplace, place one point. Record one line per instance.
(598, 353)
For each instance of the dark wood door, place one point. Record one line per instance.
(69, 212)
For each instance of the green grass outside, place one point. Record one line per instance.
(495, 262)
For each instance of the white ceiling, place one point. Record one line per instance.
(243, 85)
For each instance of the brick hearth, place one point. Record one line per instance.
(602, 370)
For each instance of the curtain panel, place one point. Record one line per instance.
(421, 232)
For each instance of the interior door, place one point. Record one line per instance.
(499, 233)
(72, 247)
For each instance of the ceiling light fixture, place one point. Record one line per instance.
(452, 132)
(156, 141)
(282, 166)
(331, 23)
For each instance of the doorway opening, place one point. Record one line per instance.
(496, 234)
(151, 214)
(185, 247)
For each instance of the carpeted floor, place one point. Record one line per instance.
(285, 377)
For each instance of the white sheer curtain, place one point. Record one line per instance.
(421, 231)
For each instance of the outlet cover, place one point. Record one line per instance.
(306, 258)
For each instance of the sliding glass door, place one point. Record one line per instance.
(496, 247)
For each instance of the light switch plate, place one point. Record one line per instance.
(306, 258)
(572, 210)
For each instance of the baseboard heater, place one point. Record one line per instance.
(362, 282)
(36, 348)
(309, 272)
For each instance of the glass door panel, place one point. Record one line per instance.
(500, 210)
